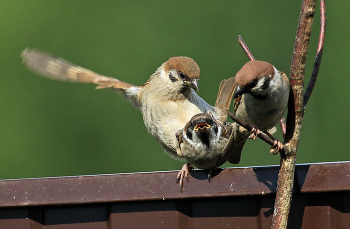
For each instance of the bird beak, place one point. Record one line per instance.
(238, 92)
(202, 126)
(194, 85)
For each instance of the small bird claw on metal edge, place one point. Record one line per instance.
(184, 173)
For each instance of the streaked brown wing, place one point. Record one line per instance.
(236, 103)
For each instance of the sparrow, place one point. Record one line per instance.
(206, 142)
(167, 100)
(260, 100)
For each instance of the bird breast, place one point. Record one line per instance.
(164, 117)
(264, 114)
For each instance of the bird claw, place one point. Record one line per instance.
(184, 173)
(210, 173)
(254, 133)
(277, 146)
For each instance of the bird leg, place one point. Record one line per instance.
(254, 133)
(277, 144)
(210, 173)
(184, 173)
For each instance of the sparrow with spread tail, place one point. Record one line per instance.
(167, 100)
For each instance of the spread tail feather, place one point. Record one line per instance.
(56, 68)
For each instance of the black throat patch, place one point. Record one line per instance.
(260, 97)
(204, 137)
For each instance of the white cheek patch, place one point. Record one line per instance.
(260, 83)
(163, 74)
(217, 136)
(258, 86)
(276, 79)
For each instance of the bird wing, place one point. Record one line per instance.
(223, 100)
(233, 149)
(235, 157)
(53, 67)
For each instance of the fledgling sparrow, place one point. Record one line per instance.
(207, 142)
(167, 100)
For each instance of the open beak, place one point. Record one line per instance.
(202, 126)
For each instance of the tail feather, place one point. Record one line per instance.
(56, 68)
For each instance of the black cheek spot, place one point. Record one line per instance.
(266, 82)
(172, 78)
(216, 129)
(189, 134)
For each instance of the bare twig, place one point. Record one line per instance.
(294, 117)
(319, 52)
(249, 128)
(245, 48)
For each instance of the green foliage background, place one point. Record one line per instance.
(50, 128)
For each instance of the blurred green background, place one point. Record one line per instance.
(50, 128)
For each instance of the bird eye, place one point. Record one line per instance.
(252, 83)
(182, 76)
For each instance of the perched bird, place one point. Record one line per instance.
(167, 100)
(261, 98)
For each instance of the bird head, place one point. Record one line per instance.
(254, 78)
(201, 128)
(183, 73)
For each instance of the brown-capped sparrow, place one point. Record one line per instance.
(261, 98)
(167, 100)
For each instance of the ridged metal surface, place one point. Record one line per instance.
(236, 198)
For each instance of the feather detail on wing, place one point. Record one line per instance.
(56, 68)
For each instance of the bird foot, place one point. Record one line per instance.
(184, 173)
(254, 133)
(277, 146)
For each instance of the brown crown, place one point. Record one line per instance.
(186, 65)
(253, 70)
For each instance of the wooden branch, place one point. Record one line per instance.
(319, 52)
(294, 117)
